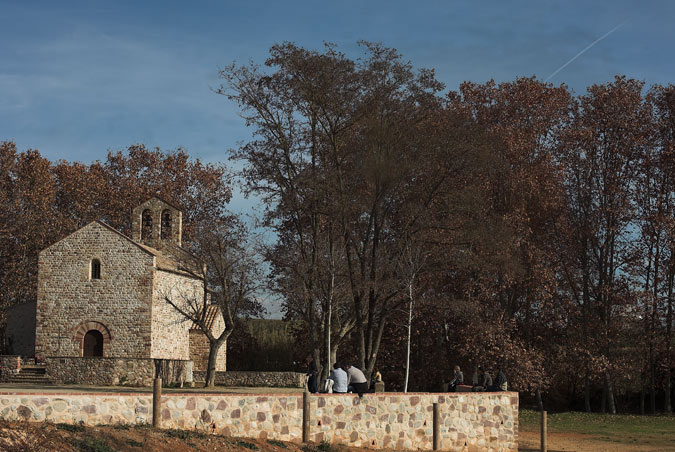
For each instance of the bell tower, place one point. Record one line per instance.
(157, 223)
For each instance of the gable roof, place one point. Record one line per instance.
(164, 262)
(144, 248)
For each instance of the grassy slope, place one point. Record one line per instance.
(620, 428)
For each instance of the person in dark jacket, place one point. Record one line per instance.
(501, 383)
(312, 373)
(486, 383)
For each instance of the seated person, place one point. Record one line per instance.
(356, 380)
(500, 382)
(375, 379)
(486, 383)
(458, 379)
(339, 378)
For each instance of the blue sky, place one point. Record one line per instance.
(79, 78)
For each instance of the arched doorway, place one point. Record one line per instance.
(89, 346)
(92, 344)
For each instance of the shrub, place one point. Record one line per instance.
(134, 443)
(184, 434)
(323, 446)
(247, 445)
(92, 445)
(70, 428)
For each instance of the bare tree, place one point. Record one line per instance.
(230, 274)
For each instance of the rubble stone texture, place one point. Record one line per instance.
(468, 422)
(127, 304)
(257, 379)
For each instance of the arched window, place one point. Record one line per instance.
(92, 343)
(166, 224)
(95, 269)
(146, 224)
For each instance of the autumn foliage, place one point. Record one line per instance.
(512, 224)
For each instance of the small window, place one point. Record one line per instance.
(95, 269)
(166, 224)
(146, 225)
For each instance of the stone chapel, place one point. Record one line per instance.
(102, 294)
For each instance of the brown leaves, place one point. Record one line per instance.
(41, 202)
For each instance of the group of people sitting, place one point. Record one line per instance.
(481, 380)
(342, 379)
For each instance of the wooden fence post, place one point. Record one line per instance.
(305, 417)
(544, 446)
(436, 427)
(156, 402)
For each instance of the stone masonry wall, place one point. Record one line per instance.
(68, 298)
(477, 421)
(256, 379)
(101, 371)
(170, 330)
(88, 409)
(199, 352)
(108, 371)
(157, 207)
(9, 365)
(469, 422)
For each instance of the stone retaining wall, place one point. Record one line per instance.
(9, 364)
(256, 379)
(468, 422)
(87, 409)
(104, 371)
(486, 421)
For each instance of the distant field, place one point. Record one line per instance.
(599, 432)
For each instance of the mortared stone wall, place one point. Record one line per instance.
(469, 422)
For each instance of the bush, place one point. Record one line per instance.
(184, 434)
(323, 446)
(274, 442)
(92, 445)
(70, 428)
(247, 445)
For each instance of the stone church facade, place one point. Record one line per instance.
(102, 294)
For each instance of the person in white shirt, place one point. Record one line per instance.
(340, 379)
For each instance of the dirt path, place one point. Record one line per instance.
(529, 441)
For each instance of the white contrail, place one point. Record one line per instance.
(584, 51)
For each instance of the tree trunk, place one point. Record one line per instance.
(610, 394)
(329, 326)
(587, 393)
(407, 353)
(652, 391)
(642, 395)
(603, 401)
(214, 348)
(540, 402)
(667, 406)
